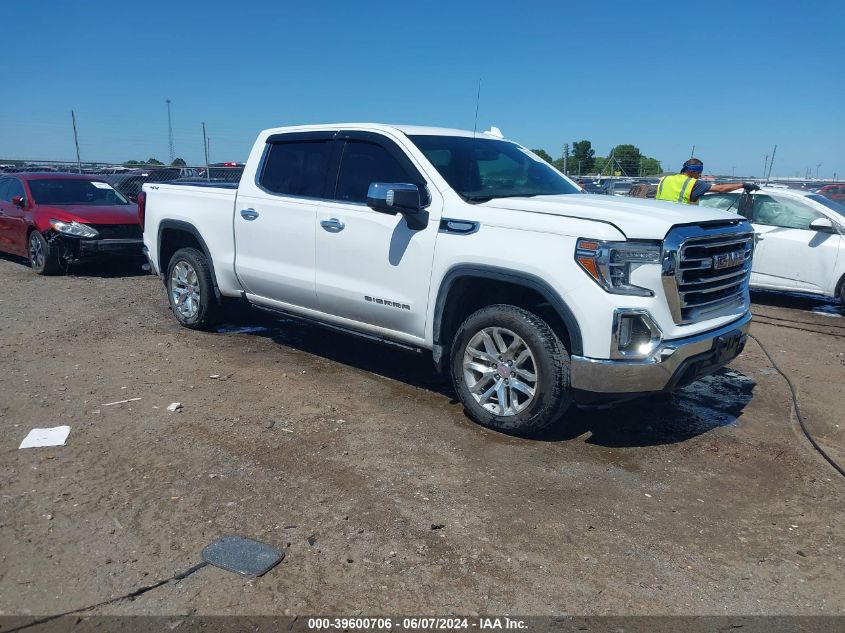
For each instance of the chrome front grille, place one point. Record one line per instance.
(706, 269)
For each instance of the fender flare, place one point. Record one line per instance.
(187, 227)
(527, 280)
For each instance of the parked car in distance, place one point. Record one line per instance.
(589, 186)
(223, 172)
(130, 184)
(800, 239)
(529, 293)
(55, 219)
(834, 192)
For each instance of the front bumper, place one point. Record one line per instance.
(673, 364)
(125, 247)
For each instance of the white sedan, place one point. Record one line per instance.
(800, 239)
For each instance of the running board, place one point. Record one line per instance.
(339, 328)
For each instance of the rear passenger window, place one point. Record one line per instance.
(364, 163)
(297, 168)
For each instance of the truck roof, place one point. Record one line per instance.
(410, 130)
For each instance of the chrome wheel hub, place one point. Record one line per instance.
(185, 290)
(500, 371)
(36, 251)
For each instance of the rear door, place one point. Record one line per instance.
(276, 218)
(789, 255)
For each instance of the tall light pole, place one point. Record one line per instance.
(817, 170)
(733, 171)
(170, 133)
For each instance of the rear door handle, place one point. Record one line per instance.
(249, 214)
(333, 225)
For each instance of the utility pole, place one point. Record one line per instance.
(76, 141)
(208, 148)
(817, 170)
(771, 163)
(205, 146)
(733, 171)
(692, 153)
(579, 170)
(170, 133)
(565, 158)
(765, 165)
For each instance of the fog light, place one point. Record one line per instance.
(635, 334)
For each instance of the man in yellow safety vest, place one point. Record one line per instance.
(686, 188)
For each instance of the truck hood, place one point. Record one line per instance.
(93, 214)
(635, 217)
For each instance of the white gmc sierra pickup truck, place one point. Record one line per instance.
(530, 293)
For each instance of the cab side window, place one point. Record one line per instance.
(364, 163)
(784, 213)
(298, 168)
(4, 188)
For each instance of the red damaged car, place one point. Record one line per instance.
(56, 219)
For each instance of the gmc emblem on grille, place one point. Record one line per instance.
(728, 260)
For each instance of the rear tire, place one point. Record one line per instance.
(42, 256)
(190, 289)
(510, 370)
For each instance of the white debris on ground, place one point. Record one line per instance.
(37, 438)
(176, 406)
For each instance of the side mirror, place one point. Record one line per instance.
(822, 225)
(398, 197)
(19, 201)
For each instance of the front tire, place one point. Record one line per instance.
(43, 258)
(510, 370)
(190, 289)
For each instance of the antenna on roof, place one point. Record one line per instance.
(477, 101)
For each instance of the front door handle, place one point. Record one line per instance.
(249, 214)
(333, 225)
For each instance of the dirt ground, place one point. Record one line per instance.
(345, 455)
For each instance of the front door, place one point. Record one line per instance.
(789, 255)
(276, 216)
(372, 269)
(12, 221)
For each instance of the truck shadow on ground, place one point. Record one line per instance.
(797, 301)
(106, 268)
(712, 402)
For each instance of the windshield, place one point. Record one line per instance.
(72, 191)
(480, 169)
(830, 204)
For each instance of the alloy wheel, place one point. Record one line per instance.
(500, 371)
(36, 251)
(185, 290)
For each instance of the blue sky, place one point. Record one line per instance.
(732, 79)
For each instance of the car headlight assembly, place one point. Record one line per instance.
(610, 264)
(74, 229)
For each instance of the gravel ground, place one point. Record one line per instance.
(347, 456)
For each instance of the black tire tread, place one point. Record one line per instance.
(210, 309)
(556, 402)
(52, 265)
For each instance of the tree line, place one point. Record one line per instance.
(628, 160)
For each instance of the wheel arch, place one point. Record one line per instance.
(176, 234)
(525, 290)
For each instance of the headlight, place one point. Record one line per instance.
(610, 263)
(76, 229)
